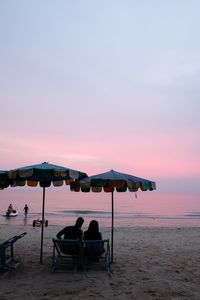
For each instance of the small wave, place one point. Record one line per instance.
(193, 215)
(84, 212)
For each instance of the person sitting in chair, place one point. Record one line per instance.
(94, 249)
(93, 231)
(71, 233)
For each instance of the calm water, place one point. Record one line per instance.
(62, 207)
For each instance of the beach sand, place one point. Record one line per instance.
(149, 263)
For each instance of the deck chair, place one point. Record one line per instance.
(96, 253)
(8, 261)
(67, 255)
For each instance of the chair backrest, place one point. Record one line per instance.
(70, 247)
(95, 247)
(18, 236)
(12, 240)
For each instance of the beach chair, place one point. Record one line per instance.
(67, 255)
(8, 261)
(96, 254)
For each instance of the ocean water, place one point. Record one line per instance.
(62, 207)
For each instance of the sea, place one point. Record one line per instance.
(62, 207)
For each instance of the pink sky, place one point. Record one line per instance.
(102, 85)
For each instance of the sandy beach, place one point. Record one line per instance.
(149, 263)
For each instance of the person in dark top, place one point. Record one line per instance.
(26, 209)
(93, 231)
(93, 249)
(72, 232)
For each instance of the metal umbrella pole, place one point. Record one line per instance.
(112, 230)
(42, 233)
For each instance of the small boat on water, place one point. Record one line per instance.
(13, 213)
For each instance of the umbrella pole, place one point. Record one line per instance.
(42, 233)
(112, 227)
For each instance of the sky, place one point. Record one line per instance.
(100, 85)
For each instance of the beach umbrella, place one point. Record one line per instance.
(109, 182)
(45, 174)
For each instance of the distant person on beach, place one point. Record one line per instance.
(93, 231)
(72, 232)
(26, 209)
(10, 208)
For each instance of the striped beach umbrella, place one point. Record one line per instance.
(43, 174)
(109, 182)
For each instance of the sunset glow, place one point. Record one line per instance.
(96, 86)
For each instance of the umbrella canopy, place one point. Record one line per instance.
(112, 181)
(44, 174)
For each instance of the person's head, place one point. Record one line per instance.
(93, 226)
(79, 222)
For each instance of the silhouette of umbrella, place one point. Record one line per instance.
(44, 174)
(112, 181)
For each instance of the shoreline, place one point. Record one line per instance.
(149, 263)
(149, 221)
